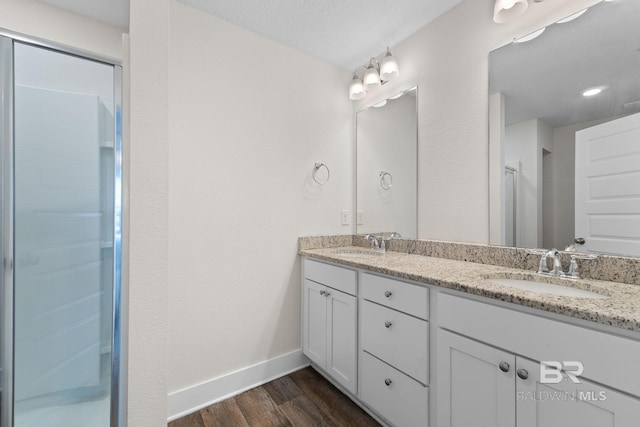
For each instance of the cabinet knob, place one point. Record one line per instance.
(387, 324)
(523, 374)
(504, 366)
(388, 294)
(388, 381)
(322, 293)
(327, 294)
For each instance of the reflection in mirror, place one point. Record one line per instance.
(386, 166)
(565, 165)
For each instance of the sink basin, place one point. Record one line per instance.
(358, 253)
(546, 288)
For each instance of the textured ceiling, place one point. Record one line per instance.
(342, 32)
(112, 12)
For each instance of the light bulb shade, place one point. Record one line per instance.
(508, 10)
(389, 68)
(371, 78)
(356, 89)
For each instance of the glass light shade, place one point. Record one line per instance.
(371, 78)
(508, 10)
(389, 68)
(356, 89)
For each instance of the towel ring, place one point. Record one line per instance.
(386, 180)
(316, 168)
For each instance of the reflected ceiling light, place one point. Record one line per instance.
(572, 17)
(592, 92)
(375, 75)
(380, 104)
(508, 10)
(530, 36)
(396, 96)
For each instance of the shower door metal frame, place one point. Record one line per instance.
(119, 325)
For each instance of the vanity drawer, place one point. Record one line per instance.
(397, 338)
(411, 299)
(404, 401)
(338, 278)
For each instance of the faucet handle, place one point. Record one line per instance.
(374, 240)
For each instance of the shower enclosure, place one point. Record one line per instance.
(60, 123)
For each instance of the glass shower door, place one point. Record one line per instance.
(63, 220)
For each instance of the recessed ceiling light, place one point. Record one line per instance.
(592, 92)
(380, 104)
(572, 17)
(396, 96)
(530, 36)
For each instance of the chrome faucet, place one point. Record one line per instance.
(374, 241)
(557, 265)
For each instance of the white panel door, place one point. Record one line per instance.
(475, 384)
(341, 338)
(607, 184)
(583, 404)
(314, 322)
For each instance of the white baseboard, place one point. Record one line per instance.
(193, 398)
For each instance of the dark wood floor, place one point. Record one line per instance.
(301, 399)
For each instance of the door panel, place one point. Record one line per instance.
(64, 184)
(607, 184)
(472, 389)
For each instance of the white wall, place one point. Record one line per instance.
(248, 119)
(148, 170)
(41, 20)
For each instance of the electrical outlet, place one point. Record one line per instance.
(360, 217)
(345, 217)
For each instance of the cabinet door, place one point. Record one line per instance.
(341, 338)
(583, 404)
(314, 322)
(473, 390)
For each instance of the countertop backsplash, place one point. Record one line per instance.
(605, 267)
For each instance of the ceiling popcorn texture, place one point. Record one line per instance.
(344, 33)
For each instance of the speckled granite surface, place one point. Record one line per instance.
(605, 267)
(621, 309)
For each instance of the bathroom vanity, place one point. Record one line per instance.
(419, 340)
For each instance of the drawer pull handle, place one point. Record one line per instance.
(388, 294)
(523, 374)
(387, 324)
(388, 382)
(504, 366)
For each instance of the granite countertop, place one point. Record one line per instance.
(621, 309)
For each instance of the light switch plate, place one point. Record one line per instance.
(345, 218)
(360, 217)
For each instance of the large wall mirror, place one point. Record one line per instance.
(386, 166)
(565, 134)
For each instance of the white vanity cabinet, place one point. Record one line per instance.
(489, 370)
(329, 320)
(394, 336)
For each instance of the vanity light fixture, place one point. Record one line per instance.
(508, 10)
(376, 74)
